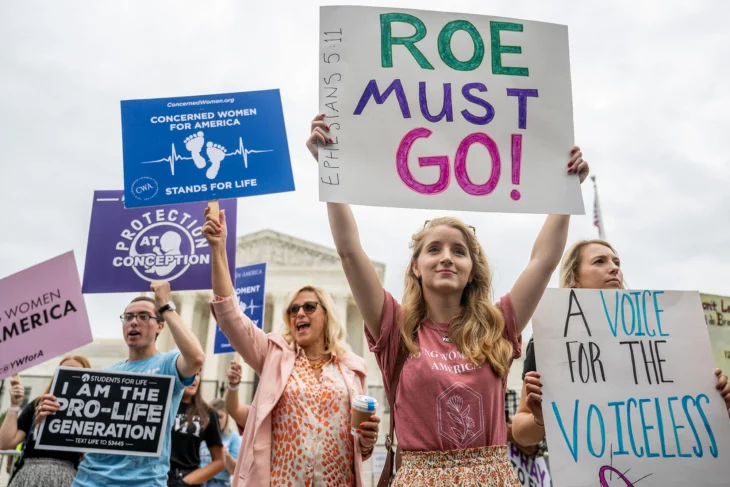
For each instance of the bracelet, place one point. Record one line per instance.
(366, 451)
(541, 425)
(232, 387)
(14, 409)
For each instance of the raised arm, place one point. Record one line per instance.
(237, 411)
(10, 435)
(546, 253)
(528, 426)
(245, 337)
(191, 356)
(364, 282)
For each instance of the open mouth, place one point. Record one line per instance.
(133, 334)
(303, 327)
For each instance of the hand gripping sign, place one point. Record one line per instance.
(445, 111)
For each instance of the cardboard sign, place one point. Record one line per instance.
(200, 148)
(251, 291)
(445, 111)
(42, 314)
(532, 471)
(628, 389)
(118, 413)
(128, 249)
(717, 317)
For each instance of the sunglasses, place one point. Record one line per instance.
(309, 307)
(473, 228)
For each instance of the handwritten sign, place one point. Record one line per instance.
(717, 317)
(129, 248)
(42, 314)
(118, 413)
(251, 291)
(629, 390)
(445, 111)
(199, 148)
(532, 471)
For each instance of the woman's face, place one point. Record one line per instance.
(444, 264)
(307, 319)
(72, 363)
(599, 268)
(223, 419)
(190, 390)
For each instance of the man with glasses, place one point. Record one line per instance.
(142, 322)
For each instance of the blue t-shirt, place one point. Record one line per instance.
(232, 443)
(127, 470)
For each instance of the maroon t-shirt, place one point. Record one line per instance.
(444, 402)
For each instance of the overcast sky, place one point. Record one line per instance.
(649, 94)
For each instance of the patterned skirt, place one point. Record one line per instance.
(46, 472)
(475, 467)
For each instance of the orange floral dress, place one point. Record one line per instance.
(311, 441)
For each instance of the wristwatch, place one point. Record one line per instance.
(169, 306)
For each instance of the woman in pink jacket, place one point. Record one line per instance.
(298, 428)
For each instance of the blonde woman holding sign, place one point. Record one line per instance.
(459, 344)
(588, 264)
(298, 429)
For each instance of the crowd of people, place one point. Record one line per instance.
(444, 337)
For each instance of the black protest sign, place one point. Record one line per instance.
(103, 411)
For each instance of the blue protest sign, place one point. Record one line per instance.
(250, 281)
(129, 248)
(200, 148)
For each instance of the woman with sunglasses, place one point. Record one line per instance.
(298, 429)
(459, 344)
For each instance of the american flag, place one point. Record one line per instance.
(597, 220)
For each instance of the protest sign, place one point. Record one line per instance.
(199, 148)
(129, 248)
(717, 317)
(103, 411)
(250, 289)
(43, 314)
(532, 471)
(445, 111)
(628, 389)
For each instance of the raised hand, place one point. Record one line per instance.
(724, 387)
(215, 231)
(47, 405)
(577, 165)
(234, 373)
(533, 389)
(162, 292)
(320, 135)
(17, 392)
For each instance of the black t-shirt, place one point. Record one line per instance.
(26, 418)
(186, 438)
(530, 364)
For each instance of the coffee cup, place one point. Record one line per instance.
(362, 408)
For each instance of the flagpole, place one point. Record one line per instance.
(597, 217)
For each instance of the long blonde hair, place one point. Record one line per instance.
(335, 333)
(571, 262)
(478, 330)
(79, 358)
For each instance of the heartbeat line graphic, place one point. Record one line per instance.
(241, 151)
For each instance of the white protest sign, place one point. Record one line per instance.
(446, 111)
(628, 389)
(532, 471)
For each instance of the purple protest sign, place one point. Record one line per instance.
(42, 314)
(130, 248)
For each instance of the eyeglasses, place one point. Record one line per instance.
(309, 307)
(473, 228)
(142, 317)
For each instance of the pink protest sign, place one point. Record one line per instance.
(42, 314)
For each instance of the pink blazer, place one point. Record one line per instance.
(272, 358)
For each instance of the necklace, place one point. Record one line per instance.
(445, 338)
(319, 364)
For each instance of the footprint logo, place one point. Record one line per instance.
(216, 153)
(194, 143)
